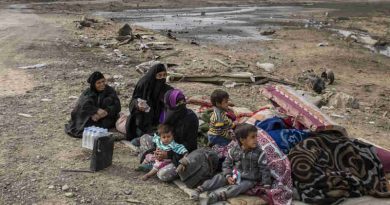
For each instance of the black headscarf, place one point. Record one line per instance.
(151, 89)
(95, 76)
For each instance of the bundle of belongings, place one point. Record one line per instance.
(310, 157)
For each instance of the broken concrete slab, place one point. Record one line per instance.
(343, 100)
(268, 67)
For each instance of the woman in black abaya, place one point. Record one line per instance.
(151, 87)
(98, 105)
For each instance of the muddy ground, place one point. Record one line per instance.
(35, 149)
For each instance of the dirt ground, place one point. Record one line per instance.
(35, 149)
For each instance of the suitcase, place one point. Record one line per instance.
(103, 149)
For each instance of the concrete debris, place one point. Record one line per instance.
(268, 67)
(36, 66)
(69, 194)
(125, 33)
(315, 100)
(65, 187)
(343, 100)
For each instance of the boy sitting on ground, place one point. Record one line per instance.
(220, 124)
(163, 142)
(243, 168)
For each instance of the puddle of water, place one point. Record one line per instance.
(217, 25)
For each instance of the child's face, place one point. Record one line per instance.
(166, 138)
(224, 104)
(249, 142)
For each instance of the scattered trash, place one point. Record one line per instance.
(193, 42)
(36, 66)
(371, 122)
(229, 84)
(117, 76)
(45, 100)
(267, 32)
(385, 114)
(65, 187)
(323, 44)
(51, 187)
(268, 67)
(171, 36)
(73, 97)
(222, 63)
(343, 100)
(343, 18)
(337, 116)
(25, 115)
(85, 22)
(156, 46)
(128, 192)
(328, 76)
(312, 81)
(133, 201)
(69, 194)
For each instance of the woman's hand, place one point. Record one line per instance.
(142, 109)
(160, 154)
(95, 117)
(102, 113)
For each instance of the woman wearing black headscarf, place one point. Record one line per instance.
(151, 88)
(98, 105)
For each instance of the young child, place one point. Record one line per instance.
(220, 124)
(163, 142)
(243, 168)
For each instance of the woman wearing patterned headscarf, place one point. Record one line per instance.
(185, 125)
(98, 105)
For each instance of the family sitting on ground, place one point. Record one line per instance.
(267, 158)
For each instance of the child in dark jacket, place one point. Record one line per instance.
(243, 168)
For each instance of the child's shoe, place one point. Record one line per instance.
(212, 198)
(195, 194)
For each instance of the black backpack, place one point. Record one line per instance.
(200, 165)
